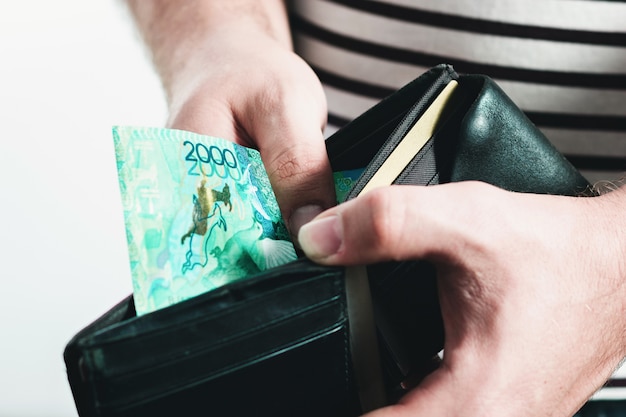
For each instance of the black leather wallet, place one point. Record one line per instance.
(282, 343)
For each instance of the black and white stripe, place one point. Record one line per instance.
(562, 61)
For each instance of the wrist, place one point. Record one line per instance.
(178, 32)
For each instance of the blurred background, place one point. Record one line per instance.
(69, 70)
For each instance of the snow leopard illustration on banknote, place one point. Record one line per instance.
(204, 204)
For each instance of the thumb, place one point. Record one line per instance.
(388, 223)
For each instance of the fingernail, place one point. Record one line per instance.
(301, 216)
(321, 238)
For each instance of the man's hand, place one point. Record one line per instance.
(228, 71)
(532, 290)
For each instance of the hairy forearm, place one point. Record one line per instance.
(175, 30)
(615, 206)
(607, 224)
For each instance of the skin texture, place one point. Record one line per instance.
(531, 287)
(532, 290)
(228, 70)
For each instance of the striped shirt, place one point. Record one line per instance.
(562, 61)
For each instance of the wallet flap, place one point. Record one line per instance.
(498, 144)
(377, 131)
(484, 137)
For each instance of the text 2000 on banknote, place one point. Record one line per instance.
(211, 160)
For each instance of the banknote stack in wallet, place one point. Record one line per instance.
(199, 213)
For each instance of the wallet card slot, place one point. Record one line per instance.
(310, 379)
(399, 152)
(217, 360)
(182, 348)
(280, 304)
(431, 165)
(373, 135)
(361, 151)
(198, 309)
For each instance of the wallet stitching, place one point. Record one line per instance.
(419, 157)
(346, 342)
(399, 131)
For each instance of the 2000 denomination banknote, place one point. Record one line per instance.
(199, 213)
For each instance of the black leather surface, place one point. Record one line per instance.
(272, 345)
(497, 143)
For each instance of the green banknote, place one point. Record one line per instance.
(199, 213)
(344, 180)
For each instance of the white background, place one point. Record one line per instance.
(69, 70)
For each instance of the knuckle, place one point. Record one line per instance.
(272, 100)
(288, 166)
(297, 164)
